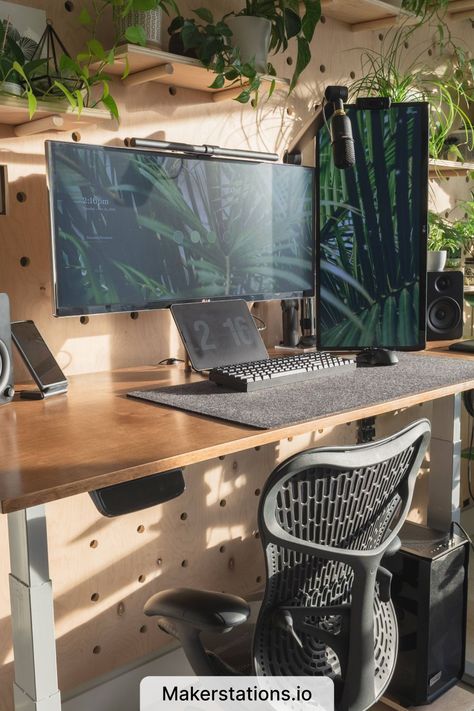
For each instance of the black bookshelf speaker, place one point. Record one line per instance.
(444, 298)
(429, 592)
(6, 358)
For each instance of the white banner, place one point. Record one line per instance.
(236, 693)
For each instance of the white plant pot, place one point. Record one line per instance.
(252, 36)
(11, 87)
(436, 261)
(150, 20)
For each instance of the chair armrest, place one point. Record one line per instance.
(393, 548)
(199, 609)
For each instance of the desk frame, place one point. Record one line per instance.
(36, 683)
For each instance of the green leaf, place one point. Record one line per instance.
(176, 24)
(68, 65)
(79, 100)
(311, 18)
(144, 5)
(302, 60)
(126, 70)
(218, 82)
(69, 96)
(136, 35)
(32, 103)
(292, 23)
(243, 97)
(204, 14)
(248, 70)
(232, 74)
(96, 48)
(84, 17)
(272, 88)
(109, 102)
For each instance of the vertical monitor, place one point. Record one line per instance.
(372, 232)
(135, 229)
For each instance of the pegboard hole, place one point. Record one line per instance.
(95, 597)
(322, 68)
(143, 629)
(256, 534)
(258, 579)
(430, 53)
(121, 609)
(289, 61)
(406, 45)
(184, 516)
(222, 503)
(141, 578)
(25, 261)
(141, 528)
(381, 37)
(84, 320)
(257, 492)
(184, 563)
(134, 315)
(69, 6)
(94, 543)
(352, 75)
(21, 196)
(222, 457)
(257, 449)
(159, 562)
(76, 136)
(172, 90)
(253, 103)
(221, 549)
(97, 649)
(322, 20)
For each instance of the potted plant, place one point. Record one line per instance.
(211, 44)
(139, 21)
(445, 87)
(285, 22)
(217, 45)
(16, 65)
(447, 238)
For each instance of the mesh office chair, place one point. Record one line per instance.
(327, 517)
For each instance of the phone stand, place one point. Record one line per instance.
(42, 393)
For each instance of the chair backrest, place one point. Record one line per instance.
(326, 517)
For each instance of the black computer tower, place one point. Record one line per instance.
(429, 591)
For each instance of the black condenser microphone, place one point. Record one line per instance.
(342, 139)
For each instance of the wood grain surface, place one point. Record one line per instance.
(96, 436)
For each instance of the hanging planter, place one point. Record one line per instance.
(251, 35)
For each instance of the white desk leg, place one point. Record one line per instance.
(34, 647)
(445, 463)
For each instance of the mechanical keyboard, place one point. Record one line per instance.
(259, 374)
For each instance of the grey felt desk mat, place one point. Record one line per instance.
(330, 391)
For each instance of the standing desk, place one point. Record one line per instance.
(96, 436)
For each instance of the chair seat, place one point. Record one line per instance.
(202, 609)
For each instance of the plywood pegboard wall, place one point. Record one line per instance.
(104, 570)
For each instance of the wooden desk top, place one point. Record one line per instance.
(95, 436)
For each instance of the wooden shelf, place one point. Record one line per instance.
(49, 116)
(148, 64)
(461, 9)
(364, 14)
(376, 14)
(449, 168)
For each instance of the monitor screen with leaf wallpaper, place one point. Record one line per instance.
(372, 231)
(139, 230)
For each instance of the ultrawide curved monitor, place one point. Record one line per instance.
(136, 229)
(372, 232)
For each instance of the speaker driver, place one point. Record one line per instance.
(444, 306)
(444, 314)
